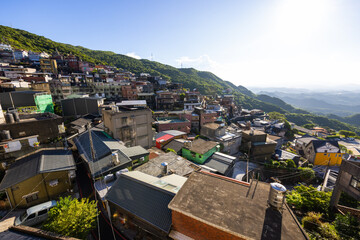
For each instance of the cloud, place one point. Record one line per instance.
(203, 62)
(133, 55)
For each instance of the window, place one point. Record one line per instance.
(42, 212)
(31, 216)
(355, 183)
(31, 197)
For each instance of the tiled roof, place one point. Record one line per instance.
(142, 200)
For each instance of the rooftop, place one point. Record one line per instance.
(142, 200)
(201, 146)
(220, 162)
(40, 162)
(176, 164)
(236, 208)
(175, 144)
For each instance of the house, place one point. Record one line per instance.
(230, 141)
(176, 145)
(199, 150)
(237, 210)
(220, 163)
(258, 146)
(164, 137)
(175, 164)
(46, 125)
(11, 149)
(321, 152)
(165, 101)
(41, 101)
(302, 142)
(140, 208)
(348, 181)
(48, 65)
(130, 124)
(108, 155)
(39, 177)
(279, 140)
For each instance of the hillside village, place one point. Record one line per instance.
(164, 161)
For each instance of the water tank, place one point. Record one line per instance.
(276, 195)
(9, 118)
(115, 158)
(164, 167)
(16, 116)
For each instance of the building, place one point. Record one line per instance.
(75, 107)
(320, 152)
(175, 164)
(48, 65)
(38, 101)
(199, 150)
(220, 163)
(47, 126)
(132, 125)
(163, 138)
(39, 177)
(108, 157)
(140, 208)
(171, 123)
(165, 101)
(129, 92)
(230, 141)
(348, 181)
(238, 210)
(175, 145)
(302, 142)
(258, 146)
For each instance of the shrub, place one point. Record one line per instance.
(307, 199)
(347, 225)
(311, 221)
(306, 174)
(290, 163)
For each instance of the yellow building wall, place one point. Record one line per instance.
(324, 158)
(40, 184)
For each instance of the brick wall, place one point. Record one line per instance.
(198, 230)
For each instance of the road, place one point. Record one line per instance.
(86, 190)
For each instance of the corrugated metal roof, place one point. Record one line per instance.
(143, 200)
(40, 162)
(135, 151)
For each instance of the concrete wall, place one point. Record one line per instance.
(196, 157)
(137, 123)
(47, 128)
(80, 106)
(348, 170)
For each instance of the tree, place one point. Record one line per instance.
(309, 126)
(71, 217)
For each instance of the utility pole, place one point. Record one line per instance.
(91, 143)
(326, 177)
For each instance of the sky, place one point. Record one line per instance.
(254, 43)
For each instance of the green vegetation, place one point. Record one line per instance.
(71, 217)
(308, 199)
(347, 133)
